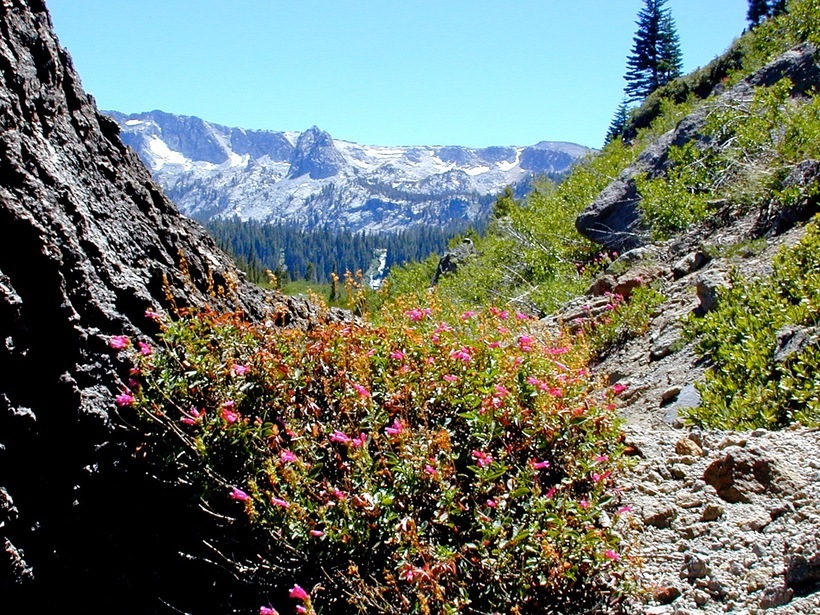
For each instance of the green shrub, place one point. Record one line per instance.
(747, 384)
(437, 463)
(626, 320)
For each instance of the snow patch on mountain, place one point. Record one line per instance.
(308, 178)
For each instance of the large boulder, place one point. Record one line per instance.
(88, 244)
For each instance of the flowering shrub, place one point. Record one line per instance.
(434, 463)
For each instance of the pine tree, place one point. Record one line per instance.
(758, 10)
(656, 57)
(616, 128)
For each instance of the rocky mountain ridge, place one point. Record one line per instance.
(309, 178)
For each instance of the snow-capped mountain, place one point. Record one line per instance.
(309, 178)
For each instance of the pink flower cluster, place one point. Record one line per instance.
(482, 459)
(193, 416)
(417, 314)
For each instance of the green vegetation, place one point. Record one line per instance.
(752, 381)
(439, 462)
(625, 320)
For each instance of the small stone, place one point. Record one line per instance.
(758, 578)
(694, 567)
(670, 394)
(688, 500)
(711, 512)
(776, 596)
(666, 594)
(689, 263)
(700, 597)
(659, 517)
(755, 524)
(732, 441)
(685, 446)
(677, 471)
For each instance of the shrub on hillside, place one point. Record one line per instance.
(763, 347)
(436, 463)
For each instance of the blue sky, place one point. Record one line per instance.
(379, 72)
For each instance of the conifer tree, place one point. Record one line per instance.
(758, 10)
(616, 128)
(656, 57)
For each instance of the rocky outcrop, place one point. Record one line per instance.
(88, 245)
(455, 258)
(614, 219)
(316, 156)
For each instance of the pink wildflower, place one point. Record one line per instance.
(152, 315)
(612, 555)
(124, 399)
(340, 437)
(522, 316)
(398, 355)
(463, 354)
(193, 416)
(557, 351)
(317, 533)
(491, 503)
(360, 441)
(279, 502)
(301, 610)
(298, 593)
(495, 344)
(362, 390)
(482, 459)
(417, 314)
(555, 392)
(266, 610)
(503, 314)
(584, 504)
(119, 342)
(525, 342)
(450, 378)
(468, 315)
(339, 494)
(430, 470)
(287, 456)
(240, 370)
(145, 349)
(503, 330)
(601, 459)
(501, 390)
(624, 509)
(619, 388)
(539, 465)
(239, 495)
(551, 492)
(228, 414)
(395, 428)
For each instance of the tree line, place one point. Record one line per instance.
(313, 255)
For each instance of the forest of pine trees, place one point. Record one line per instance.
(313, 255)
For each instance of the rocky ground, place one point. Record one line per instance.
(720, 522)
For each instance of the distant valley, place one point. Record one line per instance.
(311, 180)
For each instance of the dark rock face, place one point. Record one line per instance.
(454, 258)
(614, 220)
(315, 155)
(88, 243)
